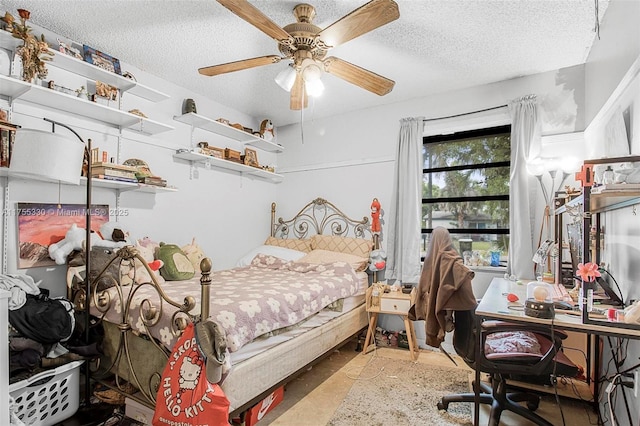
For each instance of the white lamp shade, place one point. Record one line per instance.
(286, 78)
(47, 156)
(314, 88)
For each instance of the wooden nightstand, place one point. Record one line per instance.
(397, 303)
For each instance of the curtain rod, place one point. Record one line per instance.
(465, 113)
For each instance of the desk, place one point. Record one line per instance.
(495, 306)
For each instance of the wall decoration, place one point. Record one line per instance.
(42, 224)
(101, 60)
(251, 157)
(69, 49)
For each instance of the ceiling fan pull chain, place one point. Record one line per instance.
(302, 125)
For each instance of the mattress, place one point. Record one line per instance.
(266, 369)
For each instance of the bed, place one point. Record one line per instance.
(140, 323)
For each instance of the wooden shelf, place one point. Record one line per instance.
(204, 123)
(612, 199)
(606, 199)
(17, 89)
(195, 157)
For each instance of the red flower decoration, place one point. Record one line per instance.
(588, 272)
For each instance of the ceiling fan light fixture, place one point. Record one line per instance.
(286, 78)
(310, 70)
(314, 88)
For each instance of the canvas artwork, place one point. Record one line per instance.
(40, 225)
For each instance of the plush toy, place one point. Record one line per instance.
(266, 130)
(177, 265)
(377, 260)
(375, 216)
(73, 240)
(194, 254)
(140, 273)
(113, 232)
(149, 243)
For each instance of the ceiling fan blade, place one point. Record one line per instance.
(372, 15)
(354, 74)
(255, 17)
(239, 65)
(299, 99)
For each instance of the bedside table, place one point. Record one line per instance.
(397, 303)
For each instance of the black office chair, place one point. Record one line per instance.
(501, 366)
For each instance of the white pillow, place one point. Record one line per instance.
(280, 252)
(327, 256)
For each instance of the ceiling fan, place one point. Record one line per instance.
(307, 45)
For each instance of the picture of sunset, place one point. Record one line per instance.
(40, 225)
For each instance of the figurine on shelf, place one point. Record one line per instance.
(34, 52)
(266, 130)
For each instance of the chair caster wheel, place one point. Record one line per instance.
(442, 406)
(533, 405)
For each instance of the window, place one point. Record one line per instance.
(466, 190)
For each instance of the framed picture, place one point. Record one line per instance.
(40, 225)
(251, 157)
(101, 60)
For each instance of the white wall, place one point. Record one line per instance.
(613, 87)
(349, 159)
(227, 213)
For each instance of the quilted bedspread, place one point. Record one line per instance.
(247, 302)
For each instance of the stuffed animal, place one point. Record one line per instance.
(177, 265)
(375, 216)
(377, 260)
(266, 130)
(194, 254)
(112, 231)
(140, 273)
(73, 240)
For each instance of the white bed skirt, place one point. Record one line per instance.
(259, 373)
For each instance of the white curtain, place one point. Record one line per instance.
(403, 235)
(525, 145)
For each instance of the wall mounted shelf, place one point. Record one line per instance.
(195, 157)
(204, 123)
(98, 183)
(127, 186)
(85, 69)
(92, 72)
(21, 90)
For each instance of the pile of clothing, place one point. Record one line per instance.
(41, 328)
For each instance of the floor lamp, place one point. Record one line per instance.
(558, 169)
(50, 156)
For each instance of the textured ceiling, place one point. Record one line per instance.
(435, 46)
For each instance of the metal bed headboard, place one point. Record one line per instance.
(319, 217)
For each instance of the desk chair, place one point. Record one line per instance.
(501, 365)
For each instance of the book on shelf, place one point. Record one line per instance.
(114, 178)
(112, 172)
(7, 138)
(152, 180)
(113, 166)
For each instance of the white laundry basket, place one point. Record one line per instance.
(48, 397)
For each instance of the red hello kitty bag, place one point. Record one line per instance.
(185, 396)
